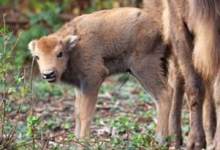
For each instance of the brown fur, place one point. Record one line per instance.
(182, 40)
(216, 96)
(192, 29)
(205, 27)
(159, 10)
(209, 116)
(46, 44)
(111, 42)
(176, 81)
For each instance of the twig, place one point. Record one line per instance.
(3, 118)
(4, 15)
(22, 144)
(123, 83)
(3, 98)
(45, 144)
(11, 134)
(32, 89)
(16, 42)
(32, 98)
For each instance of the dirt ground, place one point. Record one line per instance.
(125, 118)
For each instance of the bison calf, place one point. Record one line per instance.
(91, 47)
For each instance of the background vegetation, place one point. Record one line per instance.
(38, 115)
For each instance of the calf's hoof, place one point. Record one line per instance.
(161, 139)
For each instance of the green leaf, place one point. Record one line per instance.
(11, 90)
(67, 126)
(4, 30)
(29, 132)
(32, 120)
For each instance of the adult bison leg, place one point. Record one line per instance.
(183, 46)
(217, 103)
(209, 117)
(147, 73)
(177, 83)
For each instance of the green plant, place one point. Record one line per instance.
(45, 90)
(7, 90)
(125, 124)
(32, 123)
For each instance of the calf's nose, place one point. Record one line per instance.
(47, 74)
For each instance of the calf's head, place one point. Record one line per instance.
(52, 54)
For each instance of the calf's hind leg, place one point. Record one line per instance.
(163, 110)
(148, 74)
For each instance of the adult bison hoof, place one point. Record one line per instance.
(177, 142)
(195, 141)
(176, 135)
(217, 143)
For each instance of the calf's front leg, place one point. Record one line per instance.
(84, 110)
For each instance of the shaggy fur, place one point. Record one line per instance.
(205, 23)
(191, 26)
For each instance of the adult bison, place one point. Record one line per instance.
(191, 26)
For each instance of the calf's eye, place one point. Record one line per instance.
(60, 54)
(36, 58)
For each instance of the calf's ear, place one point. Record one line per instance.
(32, 45)
(70, 42)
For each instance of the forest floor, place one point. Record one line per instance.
(125, 119)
